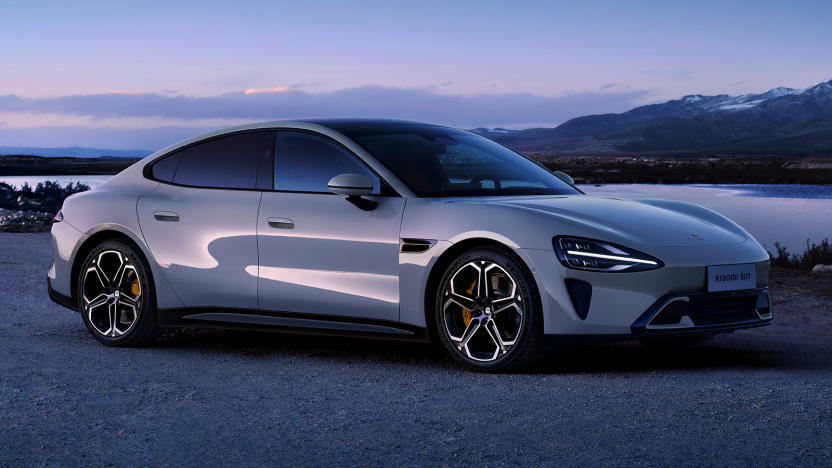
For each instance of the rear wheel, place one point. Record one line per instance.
(488, 314)
(116, 296)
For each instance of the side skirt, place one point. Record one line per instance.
(289, 322)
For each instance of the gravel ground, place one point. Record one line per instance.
(761, 397)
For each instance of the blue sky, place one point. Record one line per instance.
(141, 74)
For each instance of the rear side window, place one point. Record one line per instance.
(166, 167)
(305, 163)
(225, 162)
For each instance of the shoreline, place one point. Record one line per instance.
(584, 169)
(22, 165)
(731, 170)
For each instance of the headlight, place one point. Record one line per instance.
(594, 255)
(59, 216)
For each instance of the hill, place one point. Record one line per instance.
(73, 152)
(781, 121)
(38, 165)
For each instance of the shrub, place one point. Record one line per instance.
(48, 196)
(813, 255)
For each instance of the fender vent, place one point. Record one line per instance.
(415, 245)
(580, 293)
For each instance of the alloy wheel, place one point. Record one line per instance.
(111, 294)
(482, 311)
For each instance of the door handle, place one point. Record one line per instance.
(168, 216)
(281, 223)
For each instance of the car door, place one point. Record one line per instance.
(200, 223)
(320, 253)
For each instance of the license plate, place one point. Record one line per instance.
(732, 277)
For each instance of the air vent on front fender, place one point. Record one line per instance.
(415, 245)
(580, 293)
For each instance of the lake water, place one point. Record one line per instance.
(790, 214)
(92, 180)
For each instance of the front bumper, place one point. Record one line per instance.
(619, 300)
(692, 313)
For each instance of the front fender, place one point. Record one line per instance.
(440, 220)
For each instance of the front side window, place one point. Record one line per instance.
(225, 162)
(443, 162)
(305, 163)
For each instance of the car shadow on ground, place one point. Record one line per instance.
(275, 344)
(763, 352)
(635, 358)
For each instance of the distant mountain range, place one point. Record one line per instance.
(781, 121)
(73, 152)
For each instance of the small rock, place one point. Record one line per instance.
(821, 268)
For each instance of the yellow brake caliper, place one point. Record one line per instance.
(134, 286)
(466, 314)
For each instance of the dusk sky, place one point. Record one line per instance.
(145, 74)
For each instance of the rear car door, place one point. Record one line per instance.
(319, 253)
(200, 223)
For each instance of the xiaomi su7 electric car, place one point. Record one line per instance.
(394, 229)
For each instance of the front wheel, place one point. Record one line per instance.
(488, 314)
(116, 296)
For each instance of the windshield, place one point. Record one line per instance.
(444, 162)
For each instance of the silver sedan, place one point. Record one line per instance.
(400, 230)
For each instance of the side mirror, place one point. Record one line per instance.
(354, 186)
(564, 177)
(351, 185)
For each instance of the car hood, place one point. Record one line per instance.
(654, 222)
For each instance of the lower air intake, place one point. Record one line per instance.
(704, 310)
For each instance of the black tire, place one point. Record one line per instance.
(527, 347)
(143, 329)
(677, 343)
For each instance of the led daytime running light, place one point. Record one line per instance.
(610, 257)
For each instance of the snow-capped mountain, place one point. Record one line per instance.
(779, 121)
